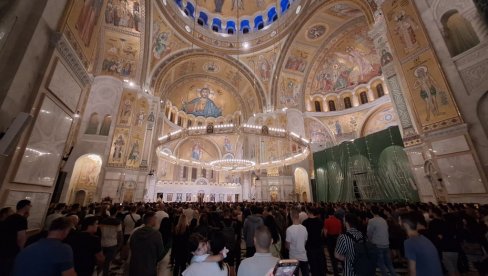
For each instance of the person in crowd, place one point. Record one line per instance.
(58, 212)
(5, 213)
(332, 230)
(377, 231)
(188, 211)
(111, 230)
(345, 244)
(87, 247)
(13, 236)
(315, 243)
(296, 237)
(303, 214)
(251, 223)
(180, 245)
(270, 222)
(48, 256)
(131, 221)
(229, 230)
(423, 258)
(160, 215)
(262, 261)
(146, 246)
(198, 246)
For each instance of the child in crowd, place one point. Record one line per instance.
(198, 247)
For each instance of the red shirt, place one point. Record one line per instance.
(333, 226)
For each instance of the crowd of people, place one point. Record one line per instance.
(247, 239)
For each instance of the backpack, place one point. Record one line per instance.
(229, 235)
(365, 256)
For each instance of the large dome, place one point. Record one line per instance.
(230, 25)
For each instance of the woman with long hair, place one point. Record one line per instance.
(180, 248)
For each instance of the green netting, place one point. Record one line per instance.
(370, 168)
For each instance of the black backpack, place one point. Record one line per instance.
(229, 234)
(365, 256)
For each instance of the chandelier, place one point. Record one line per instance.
(234, 164)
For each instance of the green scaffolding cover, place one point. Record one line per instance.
(371, 168)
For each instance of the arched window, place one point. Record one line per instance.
(92, 126)
(105, 128)
(363, 97)
(318, 107)
(379, 90)
(179, 121)
(347, 102)
(189, 123)
(171, 116)
(185, 173)
(204, 173)
(459, 34)
(193, 174)
(332, 106)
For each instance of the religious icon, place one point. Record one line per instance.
(88, 19)
(237, 3)
(202, 106)
(405, 29)
(218, 5)
(188, 196)
(134, 152)
(227, 144)
(316, 32)
(264, 68)
(338, 128)
(179, 197)
(196, 151)
(161, 44)
(140, 118)
(428, 91)
(118, 148)
(386, 57)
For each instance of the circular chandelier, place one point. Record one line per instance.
(232, 164)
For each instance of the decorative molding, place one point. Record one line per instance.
(397, 98)
(459, 129)
(72, 59)
(475, 75)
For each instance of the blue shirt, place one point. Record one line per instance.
(47, 257)
(423, 252)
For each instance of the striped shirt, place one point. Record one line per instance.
(345, 247)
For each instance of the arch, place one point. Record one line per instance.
(380, 91)
(317, 105)
(105, 128)
(302, 184)
(483, 112)
(332, 105)
(166, 65)
(347, 102)
(363, 97)
(458, 34)
(85, 175)
(93, 122)
(80, 197)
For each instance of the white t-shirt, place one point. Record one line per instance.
(159, 217)
(205, 269)
(297, 235)
(109, 234)
(130, 223)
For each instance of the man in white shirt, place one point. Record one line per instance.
(296, 237)
(57, 214)
(262, 261)
(130, 222)
(160, 215)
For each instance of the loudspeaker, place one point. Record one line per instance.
(9, 140)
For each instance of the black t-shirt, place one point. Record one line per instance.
(85, 246)
(314, 229)
(8, 235)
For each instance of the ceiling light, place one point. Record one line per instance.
(131, 83)
(187, 28)
(299, 8)
(245, 45)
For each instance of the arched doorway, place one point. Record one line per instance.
(85, 177)
(80, 197)
(302, 185)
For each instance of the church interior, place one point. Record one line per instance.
(233, 101)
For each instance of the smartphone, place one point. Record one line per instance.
(285, 267)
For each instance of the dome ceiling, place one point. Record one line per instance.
(230, 25)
